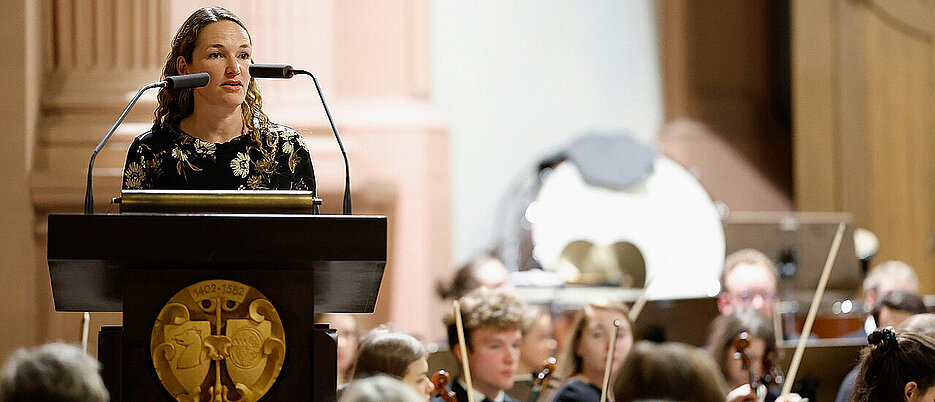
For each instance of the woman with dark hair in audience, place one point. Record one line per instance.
(385, 351)
(585, 352)
(896, 367)
(670, 372)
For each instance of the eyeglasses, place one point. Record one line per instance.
(748, 296)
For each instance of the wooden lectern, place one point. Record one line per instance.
(136, 263)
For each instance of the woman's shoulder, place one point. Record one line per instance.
(283, 131)
(155, 139)
(576, 390)
(287, 135)
(156, 135)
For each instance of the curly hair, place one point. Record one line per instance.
(177, 104)
(486, 307)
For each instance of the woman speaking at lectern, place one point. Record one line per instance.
(216, 137)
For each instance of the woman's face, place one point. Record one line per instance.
(417, 376)
(539, 343)
(222, 50)
(756, 352)
(347, 339)
(595, 338)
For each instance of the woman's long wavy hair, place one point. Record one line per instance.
(175, 105)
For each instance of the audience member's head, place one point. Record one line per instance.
(748, 279)
(887, 277)
(348, 338)
(492, 320)
(725, 330)
(920, 324)
(668, 371)
(585, 349)
(538, 343)
(379, 388)
(385, 351)
(52, 372)
(895, 306)
(485, 270)
(896, 367)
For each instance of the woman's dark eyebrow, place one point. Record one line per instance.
(220, 46)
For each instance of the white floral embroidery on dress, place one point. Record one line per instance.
(203, 147)
(241, 165)
(287, 147)
(178, 154)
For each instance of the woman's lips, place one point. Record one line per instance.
(232, 84)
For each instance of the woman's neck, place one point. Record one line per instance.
(595, 378)
(213, 125)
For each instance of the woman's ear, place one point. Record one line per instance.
(181, 65)
(910, 388)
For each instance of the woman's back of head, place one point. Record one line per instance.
(894, 363)
(668, 371)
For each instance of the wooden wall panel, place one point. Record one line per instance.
(864, 113)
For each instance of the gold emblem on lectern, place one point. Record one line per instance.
(219, 341)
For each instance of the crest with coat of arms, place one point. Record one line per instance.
(218, 340)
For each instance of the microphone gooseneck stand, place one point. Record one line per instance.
(286, 71)
(173, 82)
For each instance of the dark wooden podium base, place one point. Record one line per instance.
(324, 348)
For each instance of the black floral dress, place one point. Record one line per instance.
(271, 157)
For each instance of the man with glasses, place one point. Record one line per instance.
(749, 278)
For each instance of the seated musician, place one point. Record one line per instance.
(492, 322)
(891, 309)
(538, 344)
(348, 339)
(668, 372)
(585, 350)
(897, 367)
(761, 352)
(385, 351)
(484, 270)
(217, 136)
(379, 388)
(884, 278)
(748, 279)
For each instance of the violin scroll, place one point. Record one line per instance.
(439, 380)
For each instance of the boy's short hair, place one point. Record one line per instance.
(486, 307)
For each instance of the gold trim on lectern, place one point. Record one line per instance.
(218, 201)
(218, 340)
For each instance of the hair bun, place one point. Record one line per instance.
(882, 337)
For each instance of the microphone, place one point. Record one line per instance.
(271, 71)
(286, 71)
(174, 82)
(187, 81)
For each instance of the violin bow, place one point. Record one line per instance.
(640, 301)
(464, 359)
(813, 310)
(610, 360)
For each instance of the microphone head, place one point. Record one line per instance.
(187, 81)
(271, 71)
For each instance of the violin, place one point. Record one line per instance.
(542, 380)
(439, 380)
(741, 343)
